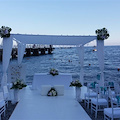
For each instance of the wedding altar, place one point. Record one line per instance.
(47, 79)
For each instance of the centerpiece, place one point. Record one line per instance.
(78, 86)
(54, 72)
(52, 92)
(102, 34)
(17, 85)
(75, 83)
(5, 31)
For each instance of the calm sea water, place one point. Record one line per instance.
(66, 61)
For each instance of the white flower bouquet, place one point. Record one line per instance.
(52, 92)
(102, 34)
(18, 84)
(75, 83)
(54, 72)
(5, 31)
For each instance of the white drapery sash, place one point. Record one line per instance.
(100, 54)
(80, 50)
(7, 48)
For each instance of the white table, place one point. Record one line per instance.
(47, 79)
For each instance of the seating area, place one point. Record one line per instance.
(105, 99)
(90, 94)
(114, 111)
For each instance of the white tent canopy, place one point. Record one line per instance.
(23, 39)
(53, 39)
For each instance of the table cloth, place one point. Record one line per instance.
(47, 79)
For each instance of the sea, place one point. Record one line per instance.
(66, 60)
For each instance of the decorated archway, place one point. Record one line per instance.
(78, 41)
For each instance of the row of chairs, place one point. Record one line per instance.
(114, 111)
(4, 94)
(99, 98)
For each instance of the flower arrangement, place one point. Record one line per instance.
(18, 84)
(52, 92)
(76, 83)
(102, 34)
(5, 31)
(53, 72)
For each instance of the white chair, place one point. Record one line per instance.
(90, 94)
(115, 99)
(2, 105)
(6, 95)
(113, 112)
(116, 88)
(98, 103)
(111, 85)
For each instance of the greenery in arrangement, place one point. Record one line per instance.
(75, 83)
(18, 84)
(102, 34)
(54, 72)
(52, 92)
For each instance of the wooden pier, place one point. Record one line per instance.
(31, 50)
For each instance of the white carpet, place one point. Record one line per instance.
(33, 106)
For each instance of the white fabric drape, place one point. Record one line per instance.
(80, 50)
(7, 48)
(21, 50)
(100, 54)
(54, 39)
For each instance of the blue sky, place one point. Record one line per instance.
(62, 17)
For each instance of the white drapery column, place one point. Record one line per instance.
(7, 48)
(21, 50)
(80, 50)
(100, 54)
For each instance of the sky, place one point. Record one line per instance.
(62, 17)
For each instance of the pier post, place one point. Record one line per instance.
(28, 52)
(1, 52)
(42, 51)
(50, 49)
(35, 52)
(14, 53)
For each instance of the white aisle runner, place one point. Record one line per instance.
(33, 106)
